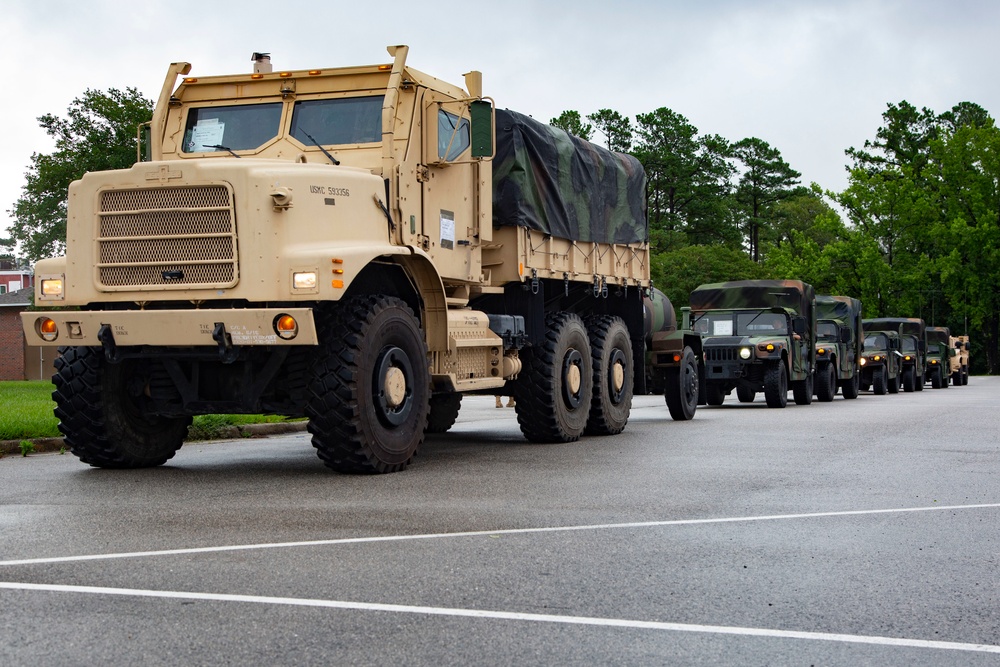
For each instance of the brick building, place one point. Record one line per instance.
(14, 278)
(12, 345)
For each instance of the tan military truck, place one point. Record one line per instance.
(358, 245)
(960, 362)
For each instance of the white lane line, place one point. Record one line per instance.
(508, 616)
(480, 533)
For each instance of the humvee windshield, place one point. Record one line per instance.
(827, 331)
(240, 127)
(876, 341)
(908, 344)
(754, 323)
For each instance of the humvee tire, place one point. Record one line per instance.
(681, 390)
(776, 385)
(100, 410)
(369, 395)
(745, 394)
(553, 391)
(611, 350)
(893, 385)
(936, 379)
(802, 390)
(443, 413)
(880, 385)
(715, 395)
(909, 383)
(852, 387)
(826, 383)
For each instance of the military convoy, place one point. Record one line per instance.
(839, 347)
(912, 347)
(360, 246)
(757, 336)
(881, 365)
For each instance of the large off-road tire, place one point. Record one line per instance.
(681, 390)
(825, 383)
(802, 390)
(965, 375)
(880, 384)
(851, 388)
(908, 382)
(444, 409)
(611, 352)
(956, 378)
(745, 394)
(102, 412)
(369, 396)
(776, 385)
(893, 384)
(553, 391)
(918, 381)
(936, 378)
(714, 393)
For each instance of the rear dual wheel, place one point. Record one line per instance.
(613, 375)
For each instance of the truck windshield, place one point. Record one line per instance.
(728, 323)
(348, 120)
(876, 342)
(908, 344)
(240, 127)
(826, 331)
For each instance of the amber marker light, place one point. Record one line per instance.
(385, 68)
(191, 79)
(46, 329)
(286, 327)
(314, 72)
(284, 75)
(339, 284)
(821, 351)
(257, 76)
(677, 358)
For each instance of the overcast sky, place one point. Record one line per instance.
(810, 78)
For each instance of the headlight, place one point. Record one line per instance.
(821, 351)
(877, 358)
(304, 280)
(745, 353)
(52, 288)
(863, 361)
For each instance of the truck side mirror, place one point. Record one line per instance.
(845, 334)
(799, 325)
(481, 117)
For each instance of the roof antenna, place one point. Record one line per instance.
(261, 63)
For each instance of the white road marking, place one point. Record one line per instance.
(480, 533)
(509, 616)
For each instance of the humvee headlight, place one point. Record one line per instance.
(745, 353)
(907, 358)
(821, 351)
(304, 280)
(286, 327)
(47, 329)
(877, 357)
(769, 347)
(863, 361)
(934, 361)
(52, 288)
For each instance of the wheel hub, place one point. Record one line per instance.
(392, 386)
(616, 376)
(572, 378)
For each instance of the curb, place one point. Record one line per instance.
(13, 447)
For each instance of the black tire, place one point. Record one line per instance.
(825, 383)
(802, 390)
(369, 396)
(776, 385)
(553, 391)
(745, 394)
(681, 390)
(852, 387)
(702, 386)
(918, 381)
(908, 382)
(714, 394)
(100, 407)
(956, 379)
(936, 379)
(880, 385)
(614, 378)
(965, 376)
(893, 385)
(443, 412)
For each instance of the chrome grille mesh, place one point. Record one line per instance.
(167, 237)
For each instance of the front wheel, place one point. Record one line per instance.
(745, 394)
(853, 386)
(103, 413)
(611, 349)
(714, 393)
(894, 385)
(370, 391)
(776, 385)
(553, 391)
(880, 385)
(681, 391)
(826, 383)
(908, 382)
(802, 390)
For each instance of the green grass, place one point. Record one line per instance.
(26, 412)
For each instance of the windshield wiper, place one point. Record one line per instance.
(220, 147)
(316, 144)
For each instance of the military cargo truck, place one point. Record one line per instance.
(838, 347)
(939, 354)
(881, 363)
(960, 361)
(357, 245)
(757, 335)
(912, 347)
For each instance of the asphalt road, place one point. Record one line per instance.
(847, 533)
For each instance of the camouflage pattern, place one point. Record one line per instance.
(881, 365)
(913, 346)
(939, 353)
(550, 181)
(750, 327)
(844, 314)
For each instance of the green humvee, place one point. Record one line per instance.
(939, 354)
(838, 347)
(881, 363)
(913, 347)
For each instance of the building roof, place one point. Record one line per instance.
(20, 298)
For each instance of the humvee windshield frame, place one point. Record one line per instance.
(876, 341)
(740, 323)
(828, 331)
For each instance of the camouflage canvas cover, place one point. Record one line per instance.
(904, 325)
(790, 294)
(844, 308)
(550, 181)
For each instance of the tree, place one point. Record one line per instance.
(616, 128)
(573, 123)
(677, 273)
(766, 180)
(98, 133)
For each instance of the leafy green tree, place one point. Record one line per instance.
(616, 128)
(678, 272)
(766, 179)
(98, 133)
(573, 123)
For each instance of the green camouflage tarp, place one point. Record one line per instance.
(843, 308)
(905, 325)
(793, 295)
(550, 181)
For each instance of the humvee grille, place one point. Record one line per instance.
(721, 354)
(166, 237)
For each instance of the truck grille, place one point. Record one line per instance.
(721, 354)
(167, 237)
